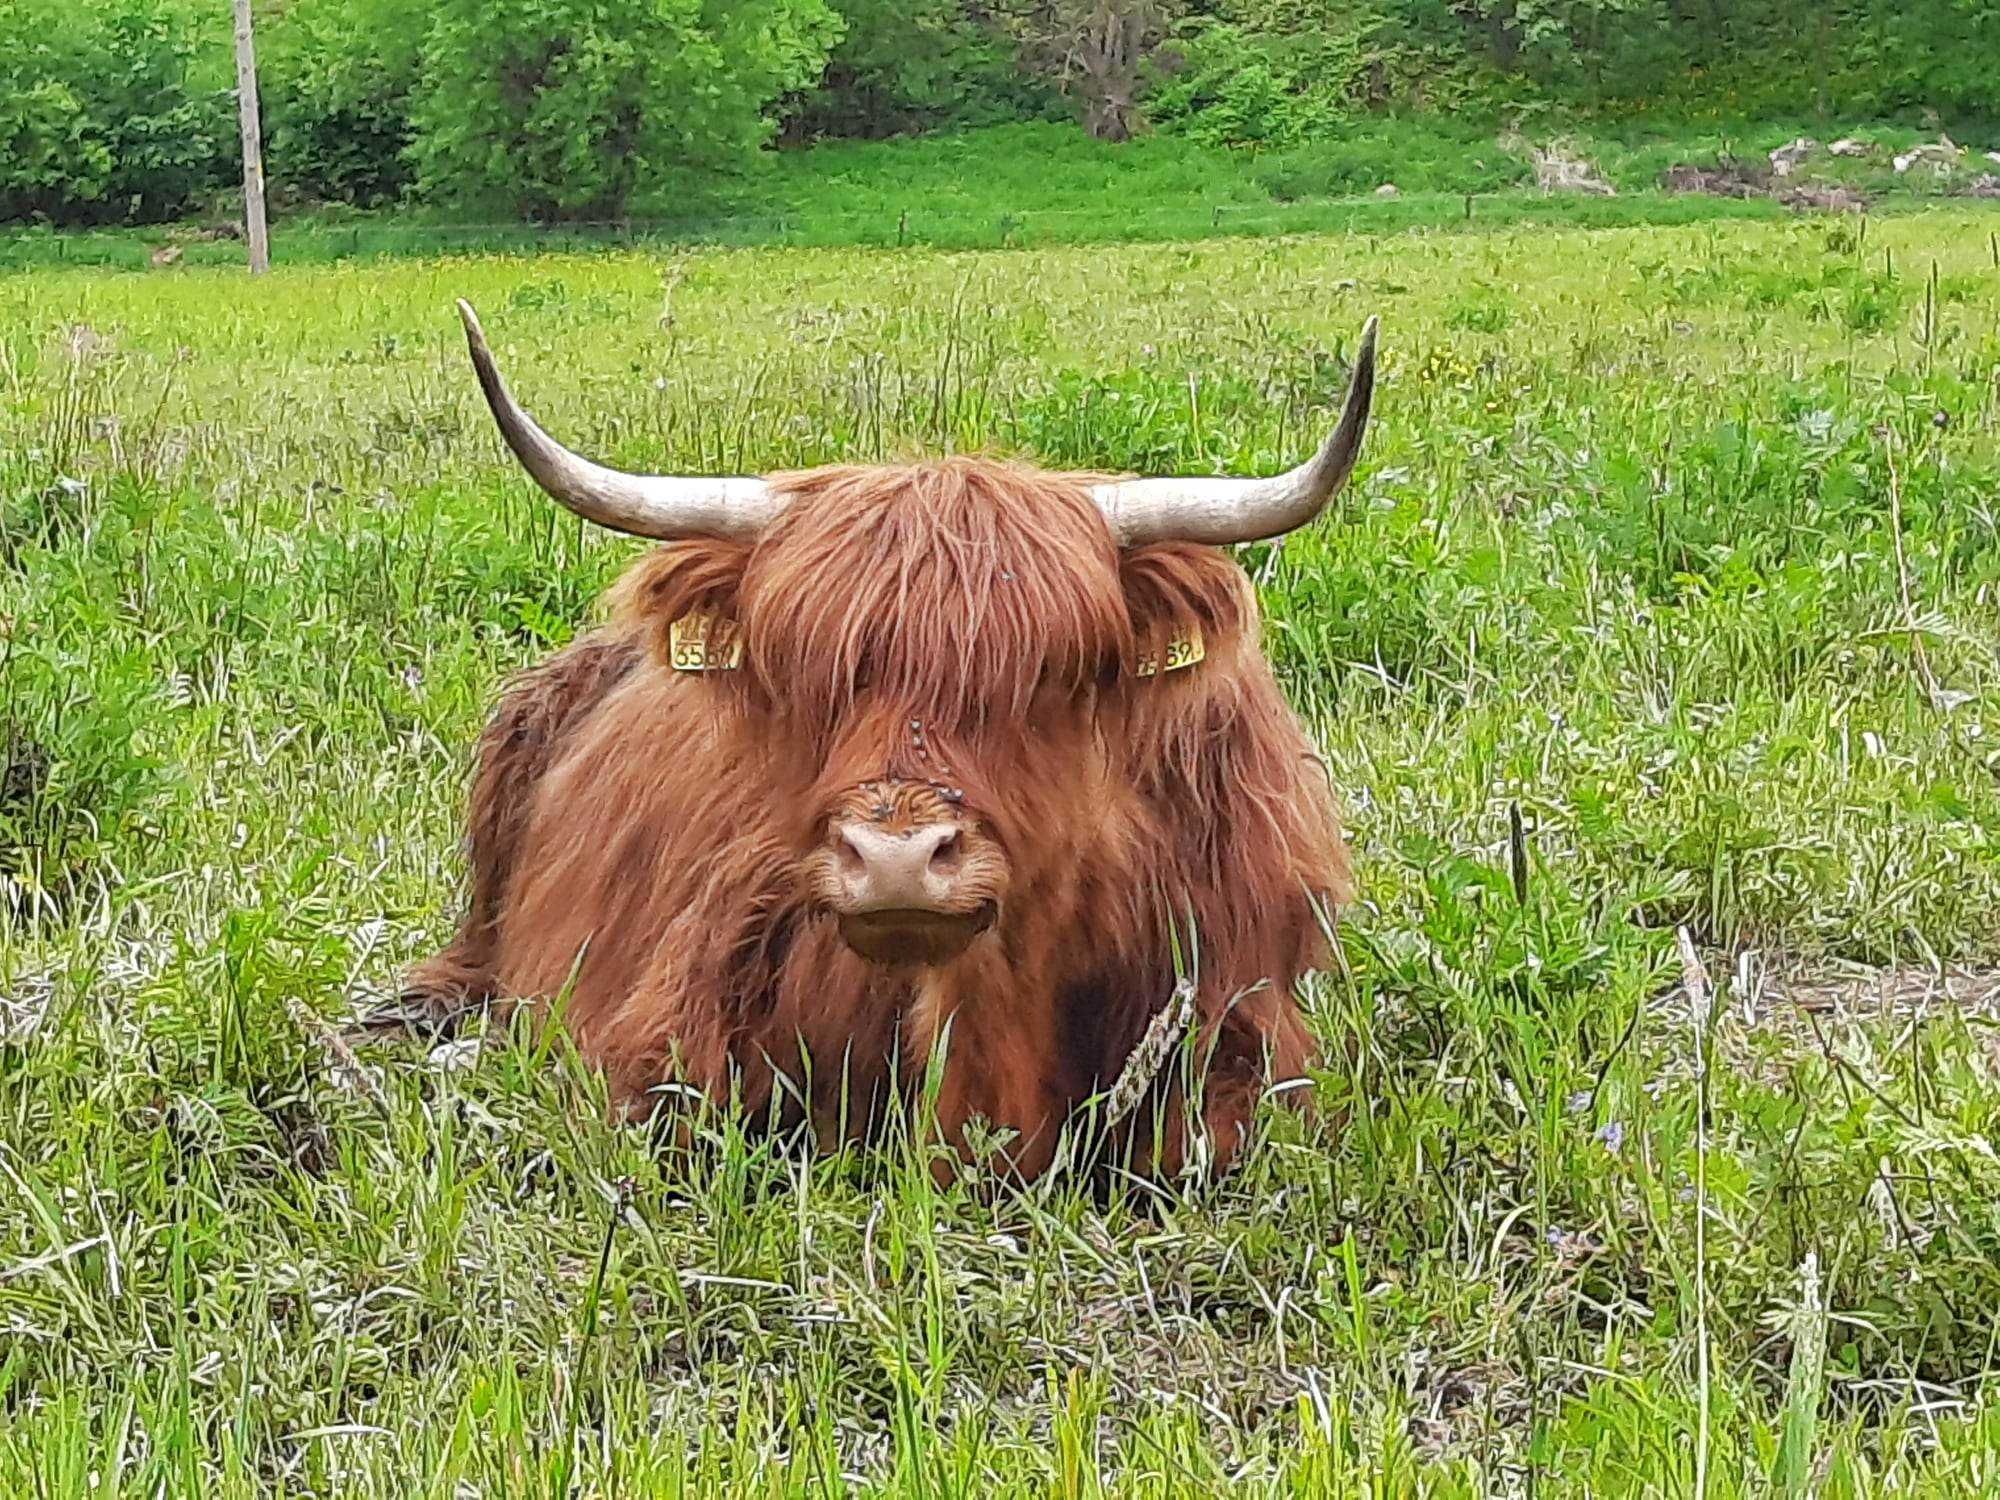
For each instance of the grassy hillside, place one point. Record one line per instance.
(1677, 544)
(1023, 185)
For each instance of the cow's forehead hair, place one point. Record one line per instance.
(958, 587)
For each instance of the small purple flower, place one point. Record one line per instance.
(1613, 1135)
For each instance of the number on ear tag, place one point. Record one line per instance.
(1184, 650)
(693, 647)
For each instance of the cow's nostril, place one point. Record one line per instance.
(949, 854)
(852, 861)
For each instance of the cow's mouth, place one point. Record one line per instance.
(913, 937)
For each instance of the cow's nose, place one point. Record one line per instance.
(916, 871)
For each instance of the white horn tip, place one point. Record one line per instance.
(471, 321)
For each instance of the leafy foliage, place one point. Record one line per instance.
(566, 109)
(1235, 87)
(1262, 73)
(909, 65)
(111, 109)
(120, 110)
(337, 78)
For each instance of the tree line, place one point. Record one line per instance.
(123, 110)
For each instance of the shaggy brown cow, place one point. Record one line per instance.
(866, 754)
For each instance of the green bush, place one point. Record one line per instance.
(1234, 87)
(337, 80)
(1269, 74)
(1862, 57)
(54, 157)
(921, 65)
(586, 109)
(109, 112)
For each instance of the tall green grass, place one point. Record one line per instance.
(1623, 569)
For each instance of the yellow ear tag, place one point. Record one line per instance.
(692, 648)
(1184, 650)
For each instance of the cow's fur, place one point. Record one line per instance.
(960, 630)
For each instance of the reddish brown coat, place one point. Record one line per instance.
(962, 630)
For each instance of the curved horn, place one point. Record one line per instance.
(1218, 512)
(650, 505)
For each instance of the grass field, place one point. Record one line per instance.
(1679, 541)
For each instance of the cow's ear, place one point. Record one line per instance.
(682, 597)
(1186, 603)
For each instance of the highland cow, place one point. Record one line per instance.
(886, 771)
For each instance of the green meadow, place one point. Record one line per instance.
(1655, 652)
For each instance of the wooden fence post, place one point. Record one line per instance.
(253, 143)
